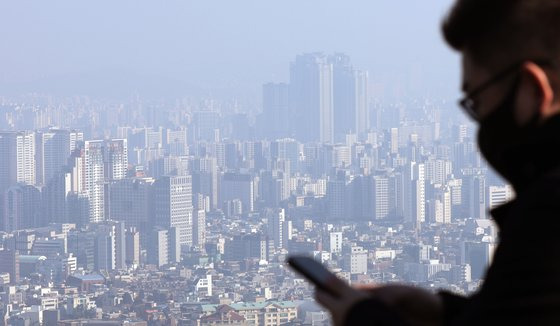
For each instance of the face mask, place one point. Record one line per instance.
(506, 145)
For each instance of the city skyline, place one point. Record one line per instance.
(160, 162)
(378, 191)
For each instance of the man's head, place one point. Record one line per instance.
(493, 35)
(511, 69)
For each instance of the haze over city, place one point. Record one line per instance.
(159, 162)
(217, 48)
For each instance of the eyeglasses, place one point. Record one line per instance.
(469, 104)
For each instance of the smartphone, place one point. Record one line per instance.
(314, 271)
(319, 275)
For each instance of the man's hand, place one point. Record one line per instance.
(345, 298)
(416, 306)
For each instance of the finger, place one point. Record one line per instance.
(368, 287)
(326, 299)
(339, 287)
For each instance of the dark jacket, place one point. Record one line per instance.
(522, 285)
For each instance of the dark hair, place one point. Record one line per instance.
(493, 31)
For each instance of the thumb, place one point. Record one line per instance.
(326, 299)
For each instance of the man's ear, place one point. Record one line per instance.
(535, 93)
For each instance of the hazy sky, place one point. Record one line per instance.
(216, 46)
